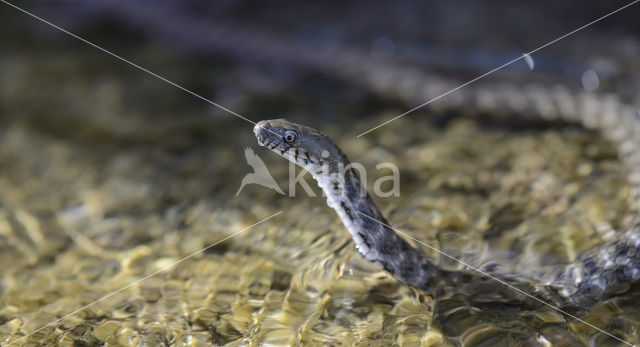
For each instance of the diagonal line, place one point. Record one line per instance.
(144, 278)
(497, 279)
(129, 62)
(498, 68)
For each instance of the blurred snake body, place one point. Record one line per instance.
(599, 273)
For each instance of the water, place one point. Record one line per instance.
(81, 220)
(97, 191)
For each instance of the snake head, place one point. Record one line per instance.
(302, 145)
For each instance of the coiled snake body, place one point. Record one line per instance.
(601, 272)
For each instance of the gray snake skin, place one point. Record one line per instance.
(599, 273)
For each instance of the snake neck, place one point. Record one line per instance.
(368, 228)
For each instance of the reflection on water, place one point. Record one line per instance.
(80, 220)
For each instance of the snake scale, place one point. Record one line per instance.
(597, 274)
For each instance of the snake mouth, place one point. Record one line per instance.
(266, 135)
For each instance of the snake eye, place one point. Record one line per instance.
(290, 136)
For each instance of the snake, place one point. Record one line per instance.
(598, 273)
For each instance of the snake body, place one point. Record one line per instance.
(328, 165)
(598, 273)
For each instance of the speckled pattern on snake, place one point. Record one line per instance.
(598, 273)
